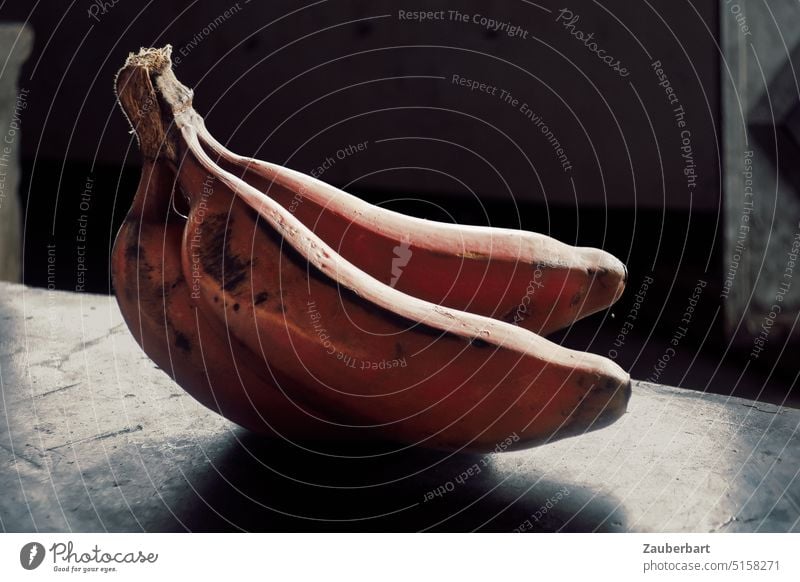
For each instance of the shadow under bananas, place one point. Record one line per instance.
(261, 485)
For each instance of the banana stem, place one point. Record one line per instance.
(142, 104)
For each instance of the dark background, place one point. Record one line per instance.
(293, 83)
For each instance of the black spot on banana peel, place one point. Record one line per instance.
(182, 342)
(449, 394)
(222, 264)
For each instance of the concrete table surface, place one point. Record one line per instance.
(93, 437)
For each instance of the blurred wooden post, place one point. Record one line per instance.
(16, 42)
(761, 135)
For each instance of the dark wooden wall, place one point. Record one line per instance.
(294, 85)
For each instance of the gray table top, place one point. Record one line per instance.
(93, 437)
